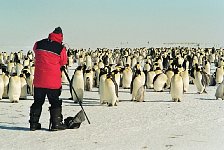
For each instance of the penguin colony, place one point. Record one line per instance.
(159, 69)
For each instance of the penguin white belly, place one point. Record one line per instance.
(176, 88)
(110, 93)
(186, 80)
(63, 77)
(160, 82)
(140, 97)
(149, 80)
(198, 83)
(78, 85)
(102, 89)
(88, 62)
(137, 83)
(1, 86)
(220, 91)
(126, 81)
(70, 61)
(23, 94)
(169, 77)
(6, 84)
(118, 79)
(219, 75)
(14, 89)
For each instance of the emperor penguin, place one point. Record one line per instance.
(149, 78)
(219, 74)
(159, 81)
(102, 77)
(63, 76)
(169, 73)
(220, 91)
(111, 90)
(29, 81)
(127, 77)
(26, 62)
(77, 82)
(117, 76)
(14, 91)
(23, 94)
(19, 67)
(186, 79)
(201, 80)
(88, 61)
(10, 66)
(207, 67)
(88, 79)
(70, 60)
(176, 86)
(136, 86)
(80, 60)
(1, 85)
(6, 77)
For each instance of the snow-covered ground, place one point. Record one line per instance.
(196, 123)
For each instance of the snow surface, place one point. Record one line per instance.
(196, 123)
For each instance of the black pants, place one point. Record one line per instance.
(52, 95)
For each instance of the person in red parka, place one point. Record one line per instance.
(50, 57)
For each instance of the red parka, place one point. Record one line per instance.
(50, 55)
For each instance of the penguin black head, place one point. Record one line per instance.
(14, 74)
(21, 75)
(158, 68)
(137, 72)
(109, 75)
(176, 71)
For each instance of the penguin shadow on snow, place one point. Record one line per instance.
(86, 102)
(207, 99)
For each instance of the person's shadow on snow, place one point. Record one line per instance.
(18, 128)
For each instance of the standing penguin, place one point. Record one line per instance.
(29, 81)
(136, 84)
(201, 80)
(149, 78)
(117, 76)
(1, 86)
(111, 90)
(127, 77)
(88, 80)
(14, 88)
(102, 76)
(169, 73)
(159, 81)
(219, 74)
(186, 79)
(176, 87)
(63, 76)
(220, 91)
(77, 82)
(6, 85)
(23, 94)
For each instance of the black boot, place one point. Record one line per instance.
(34, 119)
(75, 122)
(56, 120)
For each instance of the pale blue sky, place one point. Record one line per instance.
(108, 23)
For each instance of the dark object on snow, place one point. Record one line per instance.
(75, 122)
